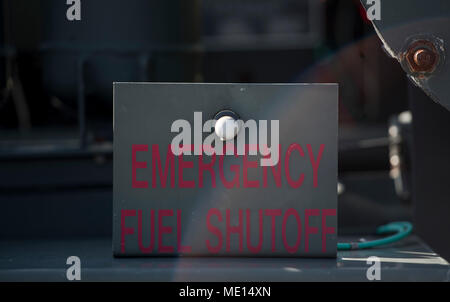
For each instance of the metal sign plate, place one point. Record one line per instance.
(225, 205)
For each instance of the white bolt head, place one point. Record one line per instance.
(226, 128)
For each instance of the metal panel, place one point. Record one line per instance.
(408, 26)
(307, 114)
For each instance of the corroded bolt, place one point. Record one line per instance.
(422, 57)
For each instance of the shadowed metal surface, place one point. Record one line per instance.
(407, 260)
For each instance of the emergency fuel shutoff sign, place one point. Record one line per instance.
(225, 169)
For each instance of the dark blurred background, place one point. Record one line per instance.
(56, 96)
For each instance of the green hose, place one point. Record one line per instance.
(401, 230)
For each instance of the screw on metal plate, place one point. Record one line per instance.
(422, 57)
(226, 127)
